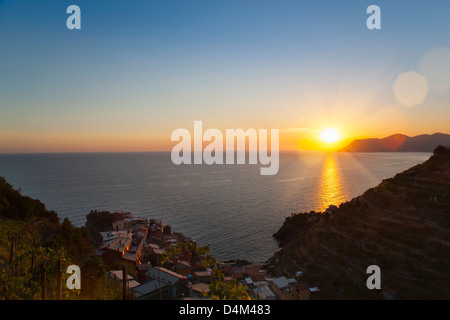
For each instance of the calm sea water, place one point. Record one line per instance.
(231, 207)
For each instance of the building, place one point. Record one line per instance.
(130, 224)
(198, 290)
(150, 290)
(314, 291)
(124, 245)
(263, 292)
(155, 229)
(140, 232)
(175, 281)
(282, 288)
(301, 291)
(202, 276)
(183, 267)
(141, 270)
(120, 215)
(153, 253)
(134, 252)
(114, 250)
(108, 236)
(249, 282)
(118, 275)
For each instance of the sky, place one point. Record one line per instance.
(138, 70)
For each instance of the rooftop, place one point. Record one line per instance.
(263, 292)
(111, 235)
(281, 282)
(200, 287)
(167, 276)
(120, 244)
(147, 288)
(118, 274)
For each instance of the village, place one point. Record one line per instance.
(143, 243)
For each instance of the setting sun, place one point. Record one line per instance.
(330, 135)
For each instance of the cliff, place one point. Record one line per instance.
(402, 225)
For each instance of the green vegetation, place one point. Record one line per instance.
(99, 221)
(19, 278)
(30, 235)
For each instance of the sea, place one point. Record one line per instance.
(231, 208)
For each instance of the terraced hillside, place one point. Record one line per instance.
(402, 225)
(31, 235)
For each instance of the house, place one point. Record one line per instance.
(248, 281)
(153, 253)
(197, 263)
(121, 245)
(263, 292)
(155, 229)
(167, 230)
(301, 291)
(242, 271)
(202, 276)
(112, 235)
(130, 224)
(115, 249)
(118, 275)
(170, 241)
(150, 290)
(198, 290)
(256, 273)
(281, 286)
(257, 277)
(299, 273)
(175, 281)
(140, 232)
(141, 270)
(314, 291)
(183, 267)
(119, 215)
(134, 253)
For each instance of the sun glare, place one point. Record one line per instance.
(330, 135)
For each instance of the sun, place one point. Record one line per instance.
(330, 135)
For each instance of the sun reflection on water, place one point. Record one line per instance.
(331, 190)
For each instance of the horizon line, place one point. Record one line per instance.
(169, 150)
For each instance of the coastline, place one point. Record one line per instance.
(401, 225)
(231, 208)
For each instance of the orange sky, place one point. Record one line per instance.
(305, 71)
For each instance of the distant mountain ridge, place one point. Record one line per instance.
(399, 143)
